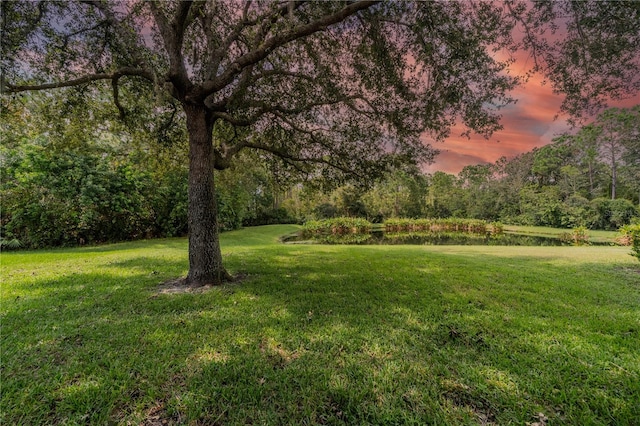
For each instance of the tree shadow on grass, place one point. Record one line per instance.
(151, 244)
(310, 336)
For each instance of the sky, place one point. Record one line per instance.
(527, 124)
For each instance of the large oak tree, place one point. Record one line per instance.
(328, 88)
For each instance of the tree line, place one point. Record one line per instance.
(590, 178)
(78, 179)
(70, 178)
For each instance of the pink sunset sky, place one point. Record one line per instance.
(527, 124)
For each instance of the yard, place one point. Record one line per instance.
(319, 334)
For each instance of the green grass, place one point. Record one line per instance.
(322, 335)
(545, 231)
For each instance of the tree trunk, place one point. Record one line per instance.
(590, 180)
(614, 177)
(205, 257)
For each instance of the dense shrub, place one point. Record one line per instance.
(622, 212)
(578, 236)
(86, 194)
(611, 214)
(631, 236)
(326, 211)
(57, 192)
(269, 216)
(575, 212)
(58, 198)
(170, 204)
(540, 207)
(544, 207)
(336, 226)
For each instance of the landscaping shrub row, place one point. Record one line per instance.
(336, 226)
(348, 225)
(474, 226)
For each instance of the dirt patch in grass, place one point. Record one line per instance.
(180, 285)
(632, 270)
(158, 416)
(464, 397)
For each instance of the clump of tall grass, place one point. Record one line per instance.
(578, 236)
(472, 226)
(336, 226)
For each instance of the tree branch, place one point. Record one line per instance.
(117, 24)
(265, 107)
(116, 96)
(172, 36)
(231, 72)
(530, 38)
(217, 54)
(299, 159)
(279, 110)
(11, 88)
(67, 37)
(180, 20)
(297, 128)
(281, 73)
(246, 79)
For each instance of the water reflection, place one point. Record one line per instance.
(439, 238)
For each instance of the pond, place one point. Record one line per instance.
(436, 238)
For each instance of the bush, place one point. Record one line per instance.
(578, 236)
(326, 211)
(631, 236)
(541, 206)
(336, 226)
(611, 214)
(269, 216)
(622, 212)
(575, 212)
(12, 244)
(496, 228)
(68, 198)
(54, 197)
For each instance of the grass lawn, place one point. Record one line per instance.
(447, 335)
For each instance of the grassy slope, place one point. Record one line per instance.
(322, 335)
